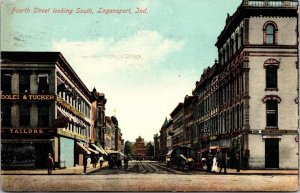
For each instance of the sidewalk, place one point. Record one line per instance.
(67, 171)
(231, 171)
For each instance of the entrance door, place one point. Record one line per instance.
(272, 153)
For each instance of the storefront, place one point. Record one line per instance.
(25, 147)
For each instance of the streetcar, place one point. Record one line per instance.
(180, 157)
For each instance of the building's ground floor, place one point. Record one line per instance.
(33, 153)
(255, 151)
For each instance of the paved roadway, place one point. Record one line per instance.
(149, 176)
(144, 167)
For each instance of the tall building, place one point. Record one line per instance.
(248, 101)
(45, 108)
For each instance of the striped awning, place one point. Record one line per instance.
(93, 151)
(112, 151)
(99, 149)
(83, 149)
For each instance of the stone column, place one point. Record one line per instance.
(52, 82)
(52, 114)
(15, 115)
(246, 99)
(33, 83)
(15, 83)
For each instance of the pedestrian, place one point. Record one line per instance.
(223, 164)
(237, 162)
(84, 163)
(203, 161)
(110, 162)
(88, 162)
(209, 163)
(101, 161)
(214, 165)
(50, 164)
(93, 160)
(125, 162)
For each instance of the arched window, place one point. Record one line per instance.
(270, 33)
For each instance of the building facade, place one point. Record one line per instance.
(177, 116)
(163, 140)
(139, 149)
(46, 108)
(246, 103)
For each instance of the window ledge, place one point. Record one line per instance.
(271, 128)
(271, 89)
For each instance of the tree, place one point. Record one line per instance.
(149, 150)
(128, 148)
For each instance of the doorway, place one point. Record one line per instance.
(272, 153)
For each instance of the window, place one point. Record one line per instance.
(236, 42)
(43, 117)
(270, 33)
(43, 83)
(6, 114)
(24, 83)
(272, 111)
(271, 77)
(6, 83)
(24, 114)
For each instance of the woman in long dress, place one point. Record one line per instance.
(215, 165)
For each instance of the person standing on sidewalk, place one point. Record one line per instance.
(84, 163)
(237, 162)
(50, 164)
(223, 164)
(101, 160)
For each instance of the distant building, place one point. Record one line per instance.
(178, 117)
(139, 149)
(163, 140)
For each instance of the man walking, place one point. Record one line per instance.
(237, 162)
(84, 163)
(223, 163)
(50, 164)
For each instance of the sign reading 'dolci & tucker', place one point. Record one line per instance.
(28, 97)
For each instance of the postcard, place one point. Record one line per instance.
(149, 95)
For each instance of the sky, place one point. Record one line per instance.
(145, 63)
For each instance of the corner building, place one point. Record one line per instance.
(256, 84)
(45, 109)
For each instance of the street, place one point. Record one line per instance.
(144, 167)
(149, 176)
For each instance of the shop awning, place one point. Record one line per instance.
(111, 151)
(170, 151)
(100, 149)
(217, 147)
(93, 151)
(203, 150)
(82, 149)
